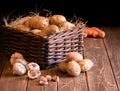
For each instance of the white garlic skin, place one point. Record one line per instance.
(48, 77)
(15, 56)
(85, 64)
(33, 74)
(22, 61)
(19, 69)
(43, 80)
(32, 66)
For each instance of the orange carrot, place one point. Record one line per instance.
(90, 32)
(100, 32)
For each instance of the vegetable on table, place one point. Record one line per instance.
(93, 32)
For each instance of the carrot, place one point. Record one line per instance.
(100, 32)
(90, 32)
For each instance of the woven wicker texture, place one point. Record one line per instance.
(47, 51)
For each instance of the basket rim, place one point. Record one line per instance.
(45, 37)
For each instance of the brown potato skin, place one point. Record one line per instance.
(74, 56)
(62, 66)
(73, 68)
(57, 19)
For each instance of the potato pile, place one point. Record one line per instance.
(74, 64)
(43, 26)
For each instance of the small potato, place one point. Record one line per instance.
(49, 30)
(62, 66)
(73, 68)
(66, 26)
(57, 19)
(36, 31)
(85, 64)
(74, 56)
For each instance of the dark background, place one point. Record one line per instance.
(96, 13)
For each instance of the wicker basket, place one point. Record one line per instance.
(47, 51)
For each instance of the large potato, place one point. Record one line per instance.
(73, 68)
(74, 56)
(66, 26)
(57, 19)
(37, 22)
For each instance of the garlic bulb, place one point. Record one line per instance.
(32, 74)
(22, 61)
(32, 66)
(19, 69)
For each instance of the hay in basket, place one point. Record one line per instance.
(42, 39)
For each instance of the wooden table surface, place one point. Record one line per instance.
(104, 75)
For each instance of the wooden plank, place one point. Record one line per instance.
(100, 77)
(10, 82)
(68, 83)
(112, 42)
(33, 85)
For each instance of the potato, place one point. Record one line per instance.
(57, 19)
(85, 64)
(66, 26)
(49, 30)
(36, 31)
(62, 66)
(73, 68)
(74, 56)
(21, 27)
(37, 22)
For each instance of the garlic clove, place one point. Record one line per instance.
(43, 80)
(19, 69)
(48, 77)
(55, 78)
(32, 66)
(33, 74)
